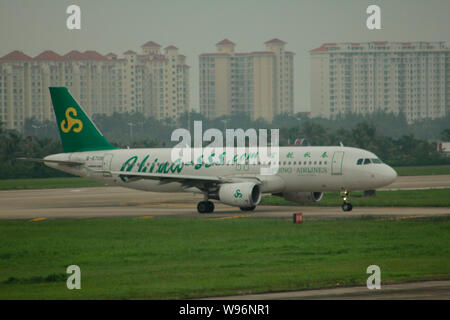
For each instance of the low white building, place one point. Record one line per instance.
(444, 147)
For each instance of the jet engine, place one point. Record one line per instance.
(242, 194)
(302, 197)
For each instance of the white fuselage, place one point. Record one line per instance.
(309, 169)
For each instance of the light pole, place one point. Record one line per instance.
(131, 124)
(35, 127)
(189, 120)
(225, 121)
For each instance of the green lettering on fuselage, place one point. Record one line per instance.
(130, 163)
(177, 166)
(311, 170)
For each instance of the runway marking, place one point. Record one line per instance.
(232, 217)
(410, 217)
(38, 219)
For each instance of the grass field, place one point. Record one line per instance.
(47, 183)
(397, 198)
(134, 258)
(422, 170)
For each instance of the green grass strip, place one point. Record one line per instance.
(168, 258)
(47, 183)
(397, 198)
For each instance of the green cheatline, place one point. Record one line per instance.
(166, 258)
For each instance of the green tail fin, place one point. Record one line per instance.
(78, 132)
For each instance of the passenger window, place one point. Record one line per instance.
(359, 162)
(366, 161)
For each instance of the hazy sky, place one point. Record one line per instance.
(194, 26)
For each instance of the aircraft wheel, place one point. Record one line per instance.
(210, 206)
(248, 208)
(347, 206)
(205, 207)
(202, 207)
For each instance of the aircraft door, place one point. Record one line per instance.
(107, 160)
(336, 163)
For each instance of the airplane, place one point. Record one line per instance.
(303, 175)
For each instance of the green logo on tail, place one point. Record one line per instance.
(66, 126)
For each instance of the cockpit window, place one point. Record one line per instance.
(376, 160)
(368, 161)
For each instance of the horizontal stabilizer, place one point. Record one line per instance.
(68, 163)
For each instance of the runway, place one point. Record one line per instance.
(424, 290)
(117, 201)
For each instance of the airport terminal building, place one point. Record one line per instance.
(151, 82)
(408, 77)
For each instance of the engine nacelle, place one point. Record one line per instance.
(302, 197)
(242, 194)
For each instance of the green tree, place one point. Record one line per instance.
(445, 135)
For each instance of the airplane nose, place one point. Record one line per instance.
(389, 175)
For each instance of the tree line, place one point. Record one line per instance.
(389, 136)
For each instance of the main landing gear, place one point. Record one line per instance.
(346, 206)
(208, 207)
(205, 206)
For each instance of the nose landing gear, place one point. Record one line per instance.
(346, 206)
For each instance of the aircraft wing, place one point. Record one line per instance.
(201, 182)
(163, 176)
(68, 163)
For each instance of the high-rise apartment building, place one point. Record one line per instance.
(258, 83)
(408, 77)
(153, 83)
